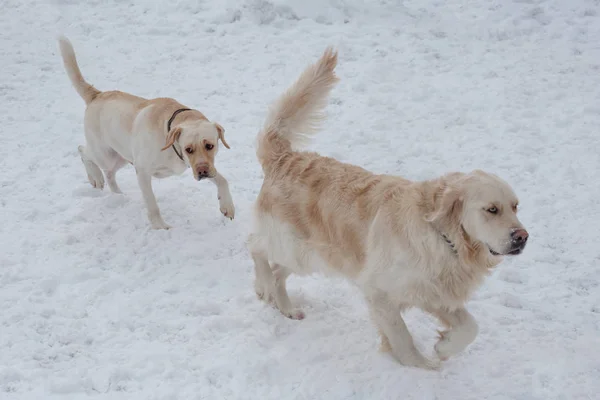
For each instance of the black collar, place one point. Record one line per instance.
(452, 246)
(169, 129)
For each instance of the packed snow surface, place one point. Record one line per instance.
(95, 304)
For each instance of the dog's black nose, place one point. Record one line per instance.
(203, 171)
(519, 237)
(202, 175)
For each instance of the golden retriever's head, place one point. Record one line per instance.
(485, 208)
(199, 143)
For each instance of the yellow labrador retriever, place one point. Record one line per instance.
(403, 243)
(160, 137)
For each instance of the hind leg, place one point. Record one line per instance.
(94, 173)
(282, 300)
(385, 346)
(97, 158)
(112, 182)
(117, 162)
(269, 283)
(263, 278)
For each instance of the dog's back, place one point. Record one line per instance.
(323, 205)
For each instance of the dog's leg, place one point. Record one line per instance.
(264, 281)
(106, 160)
(395, 333)
(385, 346)
(94, 173)
(282, 300)
(270, 285)
(145, 182)
(225, 201)
(263, 278)
(112, 182)
(463, 331)
(110, 173)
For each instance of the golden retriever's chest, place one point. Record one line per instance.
(415, 284)
(453, 292)
(455, 284)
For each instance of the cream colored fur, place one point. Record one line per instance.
(384, 233)
(121, 128)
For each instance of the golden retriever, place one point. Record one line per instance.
(403, 243)
(121, 128)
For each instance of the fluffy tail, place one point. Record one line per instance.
(298, 113)
(85, 90)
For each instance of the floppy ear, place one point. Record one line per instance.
(447, 205)
(172, 137)
(221, 131)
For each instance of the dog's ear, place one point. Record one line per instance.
(172, 137)
(447, 205)
(221, 131)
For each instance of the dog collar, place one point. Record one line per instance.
(180, 155)
(452, 246)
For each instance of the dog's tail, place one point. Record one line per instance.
(297, 114)
(85, 90)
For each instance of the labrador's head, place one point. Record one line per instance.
(199, 143)
(485, 208)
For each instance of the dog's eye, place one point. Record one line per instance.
(515, 208)
(209, 146)
(189, 150)
(492, 210)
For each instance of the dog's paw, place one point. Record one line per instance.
(294, 314)
(162, 225)
(385, 346)
(432, 364)
(423, 363)
(96, 182)
(417, 360)
(158, 223)
(227, 208)
(94, 174)
(445, 347)
(262, 294)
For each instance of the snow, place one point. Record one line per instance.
(96, 305)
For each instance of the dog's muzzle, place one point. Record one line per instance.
(203, 171)
(518, 240)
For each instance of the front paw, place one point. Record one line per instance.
(417, 360)
(448, 345)
(227, 208)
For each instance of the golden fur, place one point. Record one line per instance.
(384, 233)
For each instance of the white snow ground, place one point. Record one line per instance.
(94, 304)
